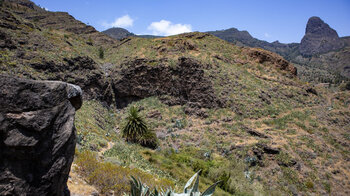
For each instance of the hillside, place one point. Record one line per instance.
(320, 57)
(240, 115)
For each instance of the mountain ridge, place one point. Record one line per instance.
(314, 55)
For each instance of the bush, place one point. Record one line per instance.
(135, 130)
(149, 140)
(134, 127)
(101, 53)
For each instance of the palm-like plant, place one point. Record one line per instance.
(135, 126)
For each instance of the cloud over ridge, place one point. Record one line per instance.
(166, 28)
(124, 21)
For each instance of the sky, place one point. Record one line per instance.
(270, 20)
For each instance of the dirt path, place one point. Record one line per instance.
(103, 150)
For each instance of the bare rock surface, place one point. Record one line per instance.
(319, 38)
(37, 135)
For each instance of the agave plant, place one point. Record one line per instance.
(139, 189)
(134, 127)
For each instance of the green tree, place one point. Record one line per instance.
(135, 130)
(135, 126)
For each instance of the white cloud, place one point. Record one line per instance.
(124, 21)
(166, 28)
(267, 35)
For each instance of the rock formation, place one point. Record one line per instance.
(319, 38)
(181, 84)
(37, 135)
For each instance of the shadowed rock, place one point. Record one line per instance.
(319, 38)
(183, 83)
(37, 135)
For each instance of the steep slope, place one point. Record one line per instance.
(239, 114)
(51, 45)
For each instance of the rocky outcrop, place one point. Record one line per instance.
(37, 135)
(183, 83)
(80, 70)
(319, 38)
(276, 60)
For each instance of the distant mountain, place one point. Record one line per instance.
(118, 33)
(149, 36)
(322, 56)
(243, 38)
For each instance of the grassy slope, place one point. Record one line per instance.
(308, 129)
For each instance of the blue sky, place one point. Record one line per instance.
(269, 20)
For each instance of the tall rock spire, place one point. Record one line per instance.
(319, 38)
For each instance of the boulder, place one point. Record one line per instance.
(37, 135)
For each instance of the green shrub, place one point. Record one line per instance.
(135, 130)
(149, 140)
(134, 127)
(101, 53)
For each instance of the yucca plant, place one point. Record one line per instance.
(134, 127)
(140, 189)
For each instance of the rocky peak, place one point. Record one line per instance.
(319, 38)
(317, 26)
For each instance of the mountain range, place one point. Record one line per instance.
(321, 56)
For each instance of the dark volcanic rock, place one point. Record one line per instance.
(183, 83)
(80, 70)
(319, 38)
(37, 135)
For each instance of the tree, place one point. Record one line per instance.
(135, 126)
(135, 130)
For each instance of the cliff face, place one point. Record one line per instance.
(319, 38)
(37, 135)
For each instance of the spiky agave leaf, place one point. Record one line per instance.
(210, 190)
(189, 182)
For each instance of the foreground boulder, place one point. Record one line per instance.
(37, 135)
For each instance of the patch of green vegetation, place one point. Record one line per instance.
(95, 126)
(108, 177)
